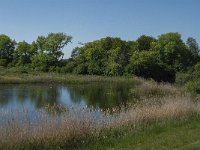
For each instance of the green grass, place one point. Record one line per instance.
(38, 77)
(156, 134)
(182, 135)
(175, 134)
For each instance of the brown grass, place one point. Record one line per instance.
(77, 123)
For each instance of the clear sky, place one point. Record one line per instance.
(88, 20)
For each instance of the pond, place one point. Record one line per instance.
(31, 102)
(36, 97)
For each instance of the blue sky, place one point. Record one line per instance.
(88, 20)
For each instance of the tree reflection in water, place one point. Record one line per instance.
(101, 95)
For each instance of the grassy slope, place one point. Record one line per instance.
(183, 136)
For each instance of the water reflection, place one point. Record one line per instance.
(38, 96)
(102, 95)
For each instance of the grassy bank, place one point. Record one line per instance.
(17, 78)
(175, 134)
(180, 135)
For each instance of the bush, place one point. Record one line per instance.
(183, 78)
(69, 67)
(3, 62)
(80, 69)
(19, 69)
(147, 65)
(193, 87)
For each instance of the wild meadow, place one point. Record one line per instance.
(157, 106)
(99, 75)
(159, 96)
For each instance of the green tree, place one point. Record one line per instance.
(144, 42)
(40, 62)
(7, 47)
(193, 49)
(54, 43)
(147, 64)
(75, 53)
(192, 45)
(77, 63)
(172, 51)
(23, 53)
(107, 56)
(50, 48)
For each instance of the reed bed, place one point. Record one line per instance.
(76, 125)
(57, 127)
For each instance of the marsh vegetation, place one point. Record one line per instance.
(108, 90)
(102, 118)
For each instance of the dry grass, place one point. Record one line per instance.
(160, 110)
(66, 125)
(149, 89)
(78, 123)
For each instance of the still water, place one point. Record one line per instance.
(36, 97)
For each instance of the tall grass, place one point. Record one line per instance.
(66, 128)
(76, 126)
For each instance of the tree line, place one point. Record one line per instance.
(160, 58)
(41, 55)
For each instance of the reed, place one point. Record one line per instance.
(72, 127)
(57, 127)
